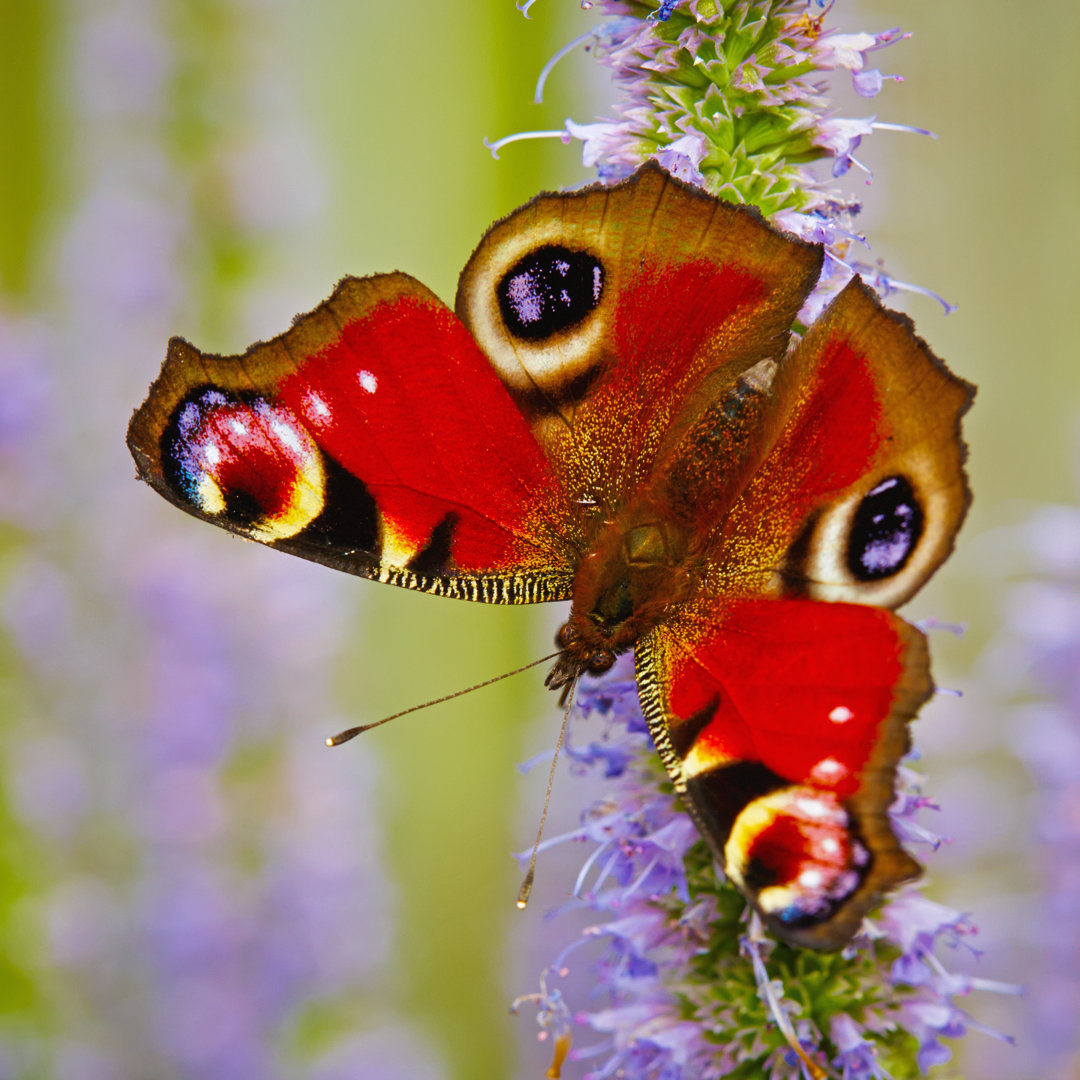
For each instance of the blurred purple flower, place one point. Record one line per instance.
(1037, 658)
(200, 874)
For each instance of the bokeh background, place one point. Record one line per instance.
(191, 885)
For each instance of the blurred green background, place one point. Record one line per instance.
(210, 169)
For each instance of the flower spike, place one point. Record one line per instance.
(729, 95)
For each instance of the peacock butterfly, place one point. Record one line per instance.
(620, 415)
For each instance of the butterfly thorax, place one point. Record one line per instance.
(635, 569)
(628, 579)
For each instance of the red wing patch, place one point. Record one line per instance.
(673, 325)
(806, 688)
(405, 401)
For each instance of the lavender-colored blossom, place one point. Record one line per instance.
(848, 51)
(29, 423)
(692, 989)
(856, 1056)
(1035, 662)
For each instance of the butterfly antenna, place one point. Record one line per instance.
(526, 886)
(351, 733)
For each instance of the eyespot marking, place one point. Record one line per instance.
(245, 460)
(798, 852)
(885, 529)
(549, 290)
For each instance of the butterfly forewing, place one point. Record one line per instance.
(372, 436)
(864, 491)
(679, 294)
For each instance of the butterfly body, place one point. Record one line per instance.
(649, 557)
(619, 415)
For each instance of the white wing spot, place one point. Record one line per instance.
(318, 406)
(287, 435)
(211, 453)
(828, 769)
(239, 427)
(812, 808)
(368, 382)
(841, 715)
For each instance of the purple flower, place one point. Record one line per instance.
(848, 52)
(1036, 661)
(856, 1056)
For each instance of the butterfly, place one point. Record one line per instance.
(619, 413)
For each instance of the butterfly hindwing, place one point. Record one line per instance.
(373, 436)
(781, 723)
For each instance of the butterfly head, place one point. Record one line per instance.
(588, 646)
